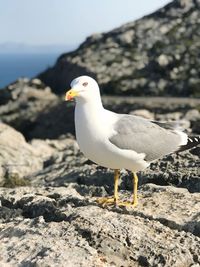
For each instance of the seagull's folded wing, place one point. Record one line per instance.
(153, 138)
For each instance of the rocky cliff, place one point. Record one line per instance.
(54, 220)
(155, 55)
(48, 210)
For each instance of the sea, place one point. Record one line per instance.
(14, 66)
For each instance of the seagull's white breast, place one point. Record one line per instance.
(93, 130)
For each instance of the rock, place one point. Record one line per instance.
(196, 151)
(126, 37)
(23, 102)
(154, 55)
(196, 126)
(192, 115)
(55, 218)
(143, 113)
(44, 147)
(36, 82)
(17, 157)
(181, 170)
(174, 116)
(163, 60)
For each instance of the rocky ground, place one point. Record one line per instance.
(48, 213)
(155, 55)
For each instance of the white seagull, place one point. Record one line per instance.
(120, 141)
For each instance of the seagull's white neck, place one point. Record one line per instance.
(91, 104)
(88, 116)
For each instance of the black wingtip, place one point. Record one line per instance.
(192, 141)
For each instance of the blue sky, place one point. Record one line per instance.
(41, 22)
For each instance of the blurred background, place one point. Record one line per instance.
(35, 33)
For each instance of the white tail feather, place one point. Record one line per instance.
(184, 138)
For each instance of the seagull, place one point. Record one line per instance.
(120, 141)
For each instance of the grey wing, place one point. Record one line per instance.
(155, 139)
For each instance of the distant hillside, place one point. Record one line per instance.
(158, 54)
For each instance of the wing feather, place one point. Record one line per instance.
(155, 139)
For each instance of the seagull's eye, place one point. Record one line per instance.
(85, 84)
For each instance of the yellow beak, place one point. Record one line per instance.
(71, 94)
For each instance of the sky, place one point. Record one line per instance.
(47, 22)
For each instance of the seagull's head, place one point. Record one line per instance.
(83, 88)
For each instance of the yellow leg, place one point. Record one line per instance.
(133, 203)
(116, 183)
(115, 200)
(112, 200)
(135, 188)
